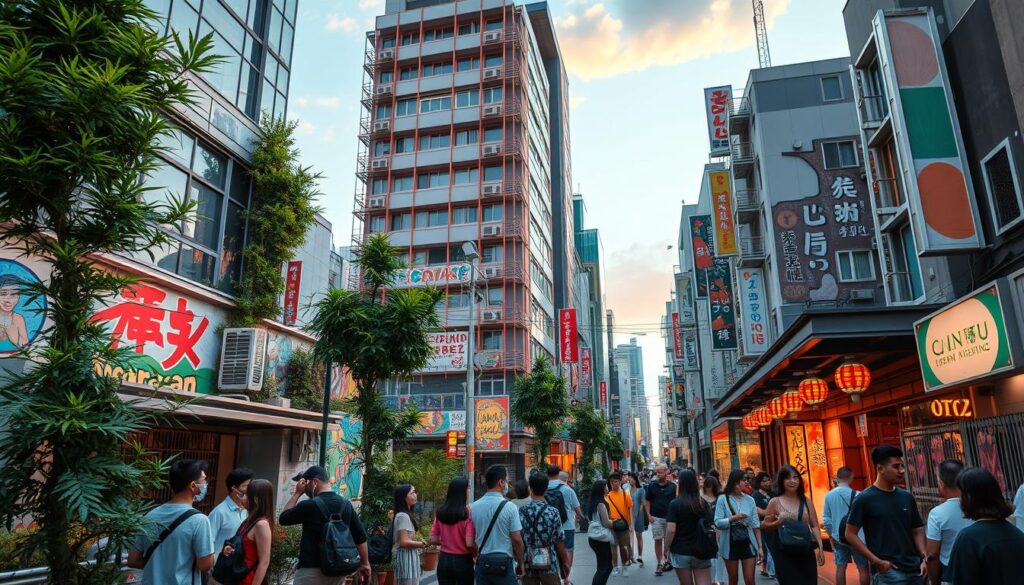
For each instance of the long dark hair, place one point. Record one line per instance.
(401, 493)
(711, 483)
(735, 476)
(454, 510)
(759, 479)
(596, 497)
(689, 494)
(980, 496)
(786, 472)
(259, 496)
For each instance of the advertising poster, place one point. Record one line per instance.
(677, 338)
(691, 357)
(569, 336)
(586, 368)
(716, 104)
(754, 310)
(721, 199)
(684, 297)
(492, 424)
(723, 311)
(449, 352)
(291, 291)
(21, 316)
(604, 394)
(437, 423)
(805, 444)
(434, 275)
(703, 257)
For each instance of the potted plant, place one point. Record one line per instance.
(284, 555)
(430, 553)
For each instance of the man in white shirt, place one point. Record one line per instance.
(228, 515)
(1018, 508)
(944, 522)
(837, 506)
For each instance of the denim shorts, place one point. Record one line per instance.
(843, 552)
(689, 562)
(896, 577)
(570, 540)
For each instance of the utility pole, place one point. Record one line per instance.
(764, 56)
(472, 255)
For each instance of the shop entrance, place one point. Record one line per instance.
(187, 444)
(923, 450)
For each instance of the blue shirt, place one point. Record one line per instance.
(837, 506)
(571, 502)
(744, 504)
(225, 520)
(173, 561)
(542, 527)
(500, 540)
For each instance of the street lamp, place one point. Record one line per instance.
(473, 256)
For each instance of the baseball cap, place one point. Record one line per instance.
(314, 472)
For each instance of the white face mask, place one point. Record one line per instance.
(504, 490)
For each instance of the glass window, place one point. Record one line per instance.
(463, 215)
(1001, 184)
(404, 144)
(408, 73)
(167, 182)
(381, 148)
(221, 20)
(387, 43)
(231, 257)
(435, 104)
(376, 224)
(225, 75)
(469, 63)
(466, 176)
(831, 88)
(197, 265)
(437, 256)
(839, 154)
(432, 141)
(493, 25)
(410, 39)
(405, 107)
(493, 134)
(493, 173)
(491, 254)
(492, 95)
(178, 145)
(379, 186)
(492, 61)
(463, 137)
(458, 301)
(387, 76)
(465, 99)
(494, 296)
(492, 212)
(432, 180)
(239, 188)
(469, 28)
(399, 184)
(210, 165)
(437, 69)
(419, 258)
(490, 340)
(383, 112)
(855, 265)
(184, 19)
(401, 221)
(287, 32)
(203, 224)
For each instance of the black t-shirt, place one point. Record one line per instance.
(889, 520)
(660, 496)
(685, 540)
(987, 552)
(760, 500)
(308, 514)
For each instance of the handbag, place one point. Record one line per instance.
(706, 543)
(795, 535)
(494, 564)
(738, 534)
(841, 537)
(618, 525)
(598, 531)
(231, 569)
(538, 558)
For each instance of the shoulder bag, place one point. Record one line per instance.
(841, 537)
(706, 546)
(597, 530)
(231, 570)
(795, 535)
(618, 525)
(738, 534)
(494, 564)
(538, 558)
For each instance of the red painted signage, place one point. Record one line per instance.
(586, 368)
(569, 336)
(677, 338)
(291, 291)
(604, 394)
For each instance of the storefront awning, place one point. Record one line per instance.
(818, 340)
(223, 410)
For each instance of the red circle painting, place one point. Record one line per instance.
(913, 53)
(945, 202)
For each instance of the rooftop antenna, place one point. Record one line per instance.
(764, 56)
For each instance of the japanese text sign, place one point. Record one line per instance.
(449, 351)
(716, 103)
(703, 257)
(720, 301)
(291, 291)
(569, 335)
(754, 310)
(722, 202)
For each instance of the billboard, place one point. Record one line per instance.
(723, 307)
(722, 201)
(450, 349)
(716, 105)
(569, 336)
(586, 368)
(436, 423)
(703, 257)
(684, 297)
(691, 356)
(291, 291)
(491, 428)
(677, 338)
(435, 275)
(604, 394)
(754, 311)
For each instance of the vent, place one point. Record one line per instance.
(384, 89)
(492, 73)
(242, 352)
(386, 55)
(492, 110)
(862, 294)
(491, 149)
(491, 271)
(492, 315)
(382, 126)
(491, 230)
(377, 201)
(491, 189)
(379, 163)
(492, 36)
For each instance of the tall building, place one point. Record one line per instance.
(632, 400)
(464, 137)
(591, 255)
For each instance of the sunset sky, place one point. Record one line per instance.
(636, 72)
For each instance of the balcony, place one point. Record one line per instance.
(742, 159)
(739, 116)
(873, 111)
(748, 205)
(752, 252)
(889, 201)
(901, 287)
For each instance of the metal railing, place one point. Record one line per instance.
(873, 108)
(888, 193)
(748, 199)
(752, 246)
(742, 152)
(739, 107)
(901, 287)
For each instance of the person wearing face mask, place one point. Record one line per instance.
(231, 512)
(176, 547)
(497, 529)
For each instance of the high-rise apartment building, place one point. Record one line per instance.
(464, 138)
(632, 400)
(591, 256)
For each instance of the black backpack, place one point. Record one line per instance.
(706, 544)
(379, 547)
(556, 500)
(339, 555)
(231, 570)
(841, 537)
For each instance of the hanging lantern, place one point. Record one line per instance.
(853, 378)
(813, 390)
(776, 409)
(748, 423)
(792, 402)
(762, 417)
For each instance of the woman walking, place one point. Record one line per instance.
(601, 523)
(762, 496)
(689, 515)
(988, 551)
(791, 510)
(406, 549)
(710, 489)
(640, 518)
(453, 530)
(740, 538)
(257, 531)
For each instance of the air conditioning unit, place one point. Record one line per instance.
(492, 110)
(492, 149)
(386, 55)
(377, 201)
(492, 315)
(492, 36)
(491, 230)
(382, 126)
(379, 163)
(862, 294)
(492, 73)
(491, 271)
(491, 189)
(242, 353)
(384, 89)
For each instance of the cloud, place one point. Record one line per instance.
(576, 101)
(642, 284)
(336, 23)
(604, 40)
(300, 102)
(374, 5)
(319, 101)
(304, 128)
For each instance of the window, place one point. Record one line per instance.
(381, 148)
(839, 155)
(431, 180)
(437, 256)
(492, 212)
(491, 254)
(491, 385)
(494, 296)
(445, 32)
(377, 224)
(493, 173)
(1002, 186)
(493, 134)
(466, 176)
(399, 184)
(431, 218)
(437, 69)
(493, 25)
(458, 301)
(464, 137)
(383, 112)
(466, 99)
(387, 43)
(407, 73)
(402, 221)
(469, 63)
(455, 253)
(463, 215)
(493, 61)
(405, 107)
(436, 104)
(831, 88)
(419, 258)
(855, 265)
(470, 28)
(432, 141)
(410, 39)
(379, 186)
(387, 76)
(404, 144)
(490, 340)
(492, 95)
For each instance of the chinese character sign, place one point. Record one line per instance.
(754, 307)
(716, 103)
(491, 426)
(604, 394)
(450, 349)
(703, 256)
(586, 368)
(720, 301)
(722, 203)
(691, 357)
(291, 291)
(569, 335)
(677, 338)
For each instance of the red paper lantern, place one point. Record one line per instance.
(792, 402)
(813, 390)
(853, 377)
(776, 409)
(761, 416)
(748, 423)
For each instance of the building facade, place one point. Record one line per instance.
(591, 256)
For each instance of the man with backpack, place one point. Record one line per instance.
(837, 508)
(658, 494)
(498, 532)
(177, 547)
(564, 499)
(543, 536)
(330, 531)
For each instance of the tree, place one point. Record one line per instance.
(590, 430)
(82, 88)
(430, 470)
(380, 333)
(539, 401)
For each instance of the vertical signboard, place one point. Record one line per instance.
(716, 104)
(586, 368)
(691, 357)
(754, 309)
(291, 292)
(805, 444)
(703, 258)
(492, 428)
(569, 336)
(721, 199)
(723, 312)
(604, 394)
(684, 297)
(939, 191)
(677, 338)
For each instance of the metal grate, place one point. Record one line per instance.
(997, 444)
(923, 450)
(184, 444)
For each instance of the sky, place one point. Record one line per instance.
(637, 69)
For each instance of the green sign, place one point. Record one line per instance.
(965, 341)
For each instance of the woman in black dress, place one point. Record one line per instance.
(791, 505)
(988, 551)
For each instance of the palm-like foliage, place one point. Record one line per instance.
(380, 333)
(82, 85)
(539, 401)
(591, 431)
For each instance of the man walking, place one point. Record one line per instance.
(893, 531)
(177, 547)
(944, 523)
(230, 513)
(570, 504)
(620, 511)
(658, 495)
(542, 529)
(497, 528)
(837, 506)
(315, 484)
